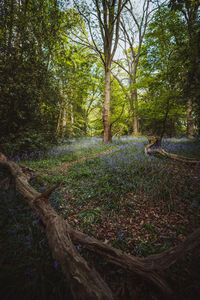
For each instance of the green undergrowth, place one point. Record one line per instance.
(137, 203)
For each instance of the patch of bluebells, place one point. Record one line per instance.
(121, 236)
(121, 171)
(195, 204)
(67, 148)
(29, 156)
(84, 145)
(39, 155)
(78, 247)
(55, 201)
(42, 189)
(183, 146)
(56, 265)
(139, 249)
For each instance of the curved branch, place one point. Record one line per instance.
(154, 146)
(121, 113)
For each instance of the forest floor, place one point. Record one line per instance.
(141, 205)
(65, 166)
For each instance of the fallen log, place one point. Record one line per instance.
(86, 283)
(154, 146)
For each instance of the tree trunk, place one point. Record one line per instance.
(64, 117)
(59, 121)
(10, 29)
(136, 120)
(106, 122)
(190, 121)
(134, 108)
(71, 120)
(64, 122)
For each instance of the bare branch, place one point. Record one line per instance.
(122, 86)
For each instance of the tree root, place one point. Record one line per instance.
(85, 282)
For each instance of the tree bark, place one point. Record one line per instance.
(106, 113)
(64, 121)
(58, 127)
(190, 121)
(10, 27)
(135, 113)
(71, 119)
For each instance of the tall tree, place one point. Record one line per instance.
(163, 70)
(105, 14)
(190, 10)
(133, 28)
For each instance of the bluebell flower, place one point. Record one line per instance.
(12, 230)
(195, 204)
(42, 188)
(35, 222)
(56, 264)
(121, 236)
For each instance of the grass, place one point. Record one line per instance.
(139, 204)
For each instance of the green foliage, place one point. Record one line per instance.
(53, 88)
(29, 92)
(162, 108)
(90, 216)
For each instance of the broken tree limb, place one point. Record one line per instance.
(127, 262)
(151, 267)
(154, 146)
(164, 260)
(86, 283)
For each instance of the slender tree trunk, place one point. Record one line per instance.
(135, 117)
(59, 128)
(134, 106)
(64, 121)
(190, 121)
(10, 35)
(59, 120)
(107, 128)
(71, 119)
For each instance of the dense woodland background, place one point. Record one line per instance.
(53, 64)
(83, 84)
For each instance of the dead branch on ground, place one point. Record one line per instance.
(154, 146)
